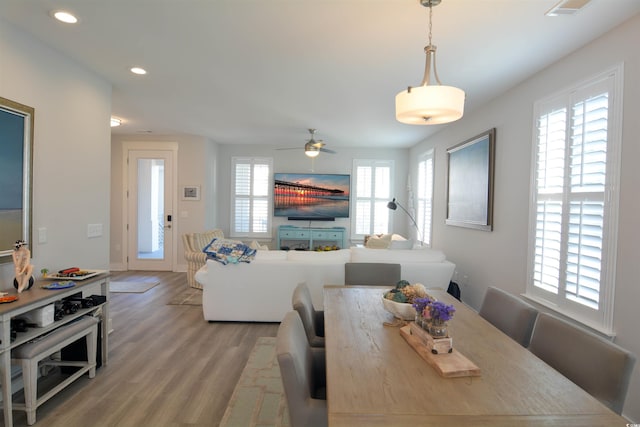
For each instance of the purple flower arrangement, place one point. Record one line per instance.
(420, 304)
(441, 311)
(436, 310)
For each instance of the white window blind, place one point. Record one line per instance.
(251, 202)
(573, 232)
(372, 193)
(425, 196)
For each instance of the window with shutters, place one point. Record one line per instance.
(424, 197)
(250, 197)
(372, 193)
(573, 226)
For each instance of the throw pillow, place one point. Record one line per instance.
(378, 242)
(228, 251)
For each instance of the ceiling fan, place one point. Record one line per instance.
(313, 147)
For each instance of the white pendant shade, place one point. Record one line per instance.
(429, 105)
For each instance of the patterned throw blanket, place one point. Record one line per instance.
(228, 251)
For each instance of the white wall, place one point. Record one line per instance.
(71, 151)
(499, 258)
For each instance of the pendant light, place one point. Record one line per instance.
(429, 103)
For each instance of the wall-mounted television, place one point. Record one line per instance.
(311, 196)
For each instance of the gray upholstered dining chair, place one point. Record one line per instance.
(302, 368)
(371, 274)
(600, 367)
(510, 314)
(312, 319)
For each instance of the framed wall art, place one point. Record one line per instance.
(191, 192)
(16, 141)
(470, 170)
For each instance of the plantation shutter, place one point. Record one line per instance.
(573, 249)
(588, 167)
(373, 190)
(425, 196)
(251, 214)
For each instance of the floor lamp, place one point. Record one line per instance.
(393, 205)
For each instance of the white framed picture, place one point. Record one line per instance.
(191, 192)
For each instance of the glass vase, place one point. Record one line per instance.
(438, 329)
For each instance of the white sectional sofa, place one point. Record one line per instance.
(260, 291)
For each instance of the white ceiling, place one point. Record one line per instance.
(263, 71)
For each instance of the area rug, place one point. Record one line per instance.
(131, 287)
(189, 296)
(258, 399)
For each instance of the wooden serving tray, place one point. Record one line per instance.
(448, 365)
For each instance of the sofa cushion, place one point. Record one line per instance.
(396, 256)
(270, 256)
(401, 244)
(341, 255)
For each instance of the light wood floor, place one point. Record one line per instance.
(167, 365)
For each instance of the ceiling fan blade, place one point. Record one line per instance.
(326, 150)
(289, 148)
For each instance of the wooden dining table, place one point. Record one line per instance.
(375, 378)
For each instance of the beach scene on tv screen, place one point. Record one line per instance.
(311, 195)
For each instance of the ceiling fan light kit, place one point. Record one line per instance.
(430, 104)
(311, 150)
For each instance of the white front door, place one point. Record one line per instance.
(150, 210)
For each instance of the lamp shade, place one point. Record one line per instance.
(429, 105)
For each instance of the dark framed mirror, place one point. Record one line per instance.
(16, 144)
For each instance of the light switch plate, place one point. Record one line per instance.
(94, 230)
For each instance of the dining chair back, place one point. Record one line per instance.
(302, 368)
(600, 367)
(510, 314)
(371, 274)
(312, 319)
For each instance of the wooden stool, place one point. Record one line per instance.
(30, 354)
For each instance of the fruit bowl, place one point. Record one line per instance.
(400, 310)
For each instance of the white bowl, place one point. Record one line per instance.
(400, 310)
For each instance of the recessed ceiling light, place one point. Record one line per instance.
(65, 17)
(138, 70)
(115, 122)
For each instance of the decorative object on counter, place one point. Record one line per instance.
(439, 314)
(59, 285)
(23, 268)
(399, 301)
(432, 316)
(420, 305)
(73, 273)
